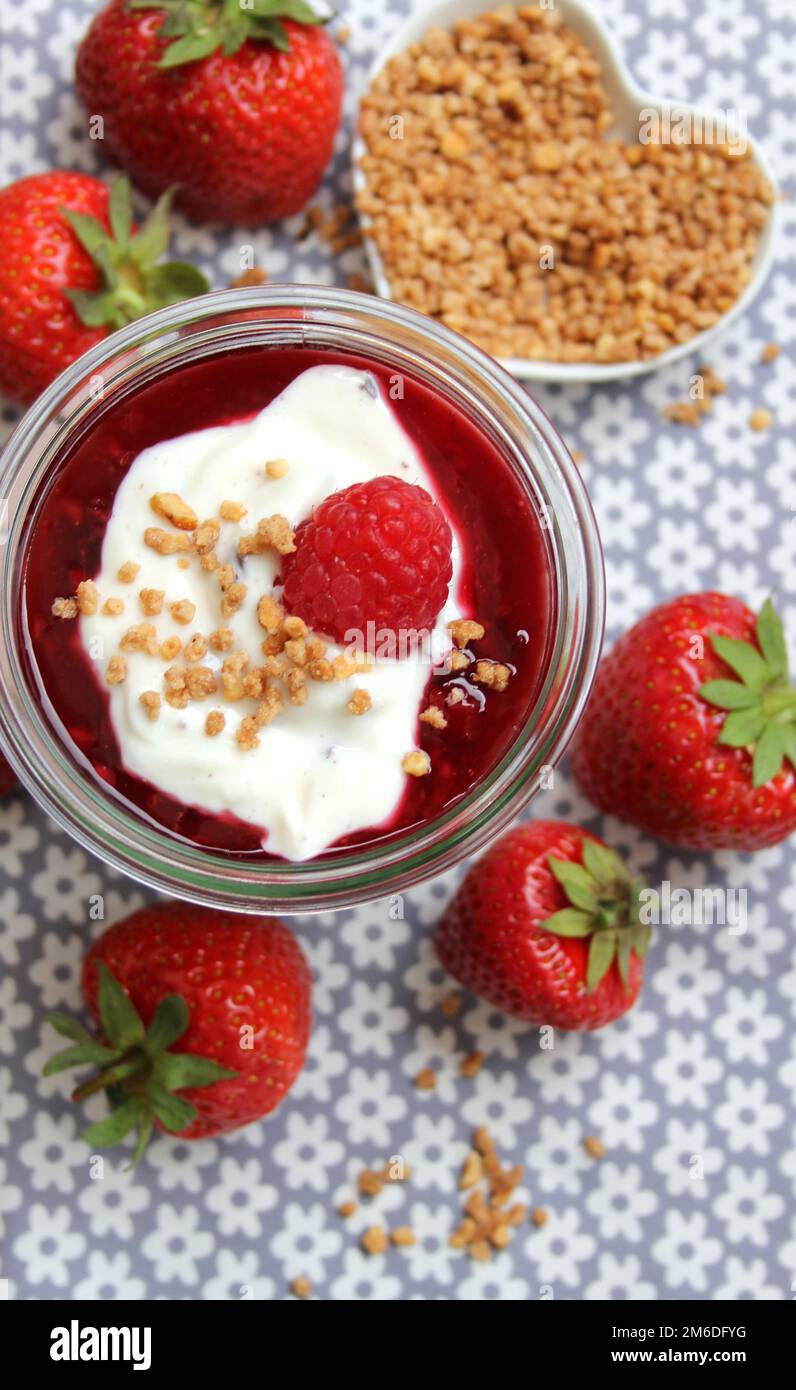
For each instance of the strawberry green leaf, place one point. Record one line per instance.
(120, 211)
(768, 754)
(145, 1128)
(729, 694)
(68, 1027)
(89, 231)
(152, 239)
(190, 48)
(569, 922)
(742, 727)
(601, 952)
(121, 1021)
(285, 9)
(168, 284)
(173, 1112)
(274, 32)
(95, 310)
(742, 658)
(179, 1071)
(771, 636)
(603, 863)
(577, 883)
(789, 746)
(80, 1055)
(623, 958)
(115, 1126)
(168, 1024)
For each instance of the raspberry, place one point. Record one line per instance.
(375, 552)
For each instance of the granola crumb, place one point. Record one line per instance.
(255, 275)
(684, 412)
(87, 598)
(464, 631)
(500, 1236)
(232, 599)
(426, 1080)
(770, 353)
(273, 533)
(300, 1287)
(127, 572)
(141, 637)
(183, 563)
(112, 607)
(594, 1147)
(296, 682)
(64, 608)
(346, 1209)
(215, 722)
(246, 735)
(277, 468)
(116, 672)
(360, 702)
(152, 601)
(374, 1241)
(483, 1141)
(472, 1171)
(434, 717)
(370, 1182)
(172, 507)
(296, 651)
(321, 670)
(232, 511)
(459, 661)
(472, 1064)
(403, 1235)
(492, 674)
(451, 1005)
(296, 627)
(221, 639)
(195, 647)
(183, 611)
(454, 696)
(166, 542)
(417, 763)
(463, 1235)
(480, 1250)
(270, 614)
(170, 648)
(539, 1217)
(760, 420)
(151, 703)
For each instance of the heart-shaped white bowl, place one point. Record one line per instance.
(627, 100)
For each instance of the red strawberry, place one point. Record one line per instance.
(7, 778)
(71, 271)
(232, 992)
(546, 927)
(237, 107)
(690, 732)
(376, 552)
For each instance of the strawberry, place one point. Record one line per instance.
(204, 1019)
(546, 927)
(72, 270)
(237, 103)
(690, 732)
(377, 552)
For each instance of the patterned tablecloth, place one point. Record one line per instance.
(699, 1079)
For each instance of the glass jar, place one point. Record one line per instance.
(338, 320)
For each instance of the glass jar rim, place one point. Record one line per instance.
(88, 810)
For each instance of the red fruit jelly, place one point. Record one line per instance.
(506, 581)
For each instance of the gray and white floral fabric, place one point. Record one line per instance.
(692, 1094)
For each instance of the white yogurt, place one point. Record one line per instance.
(319, 772)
